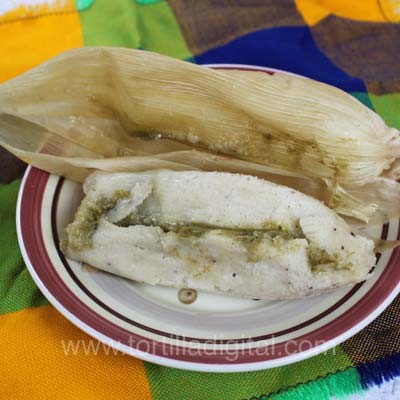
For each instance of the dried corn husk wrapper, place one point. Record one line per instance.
(115, 109)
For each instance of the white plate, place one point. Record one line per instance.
(215, 333)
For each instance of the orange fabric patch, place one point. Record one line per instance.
(38, 362)
(28, 42)
(314, 11)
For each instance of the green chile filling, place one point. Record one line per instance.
(78, 234)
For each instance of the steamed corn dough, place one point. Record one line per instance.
(215, 232)
(165, 113)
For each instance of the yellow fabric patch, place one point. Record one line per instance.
(314, 11)
(38, 362)
(28, 42)
(391, 9)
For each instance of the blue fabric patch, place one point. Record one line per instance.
(292, 49)
(377, 372)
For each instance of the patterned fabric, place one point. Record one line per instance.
(352, 45)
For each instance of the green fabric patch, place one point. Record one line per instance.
(232, 386)
(17, 289)
(191, 59)
(110, 23)
(363, 98)
(83, 4)
(147, 1)
(160, 31)
(125, 23)
(337, 385)
(388, 107)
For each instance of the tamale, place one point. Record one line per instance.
(89, 108)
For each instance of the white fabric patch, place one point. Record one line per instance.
(10, 5)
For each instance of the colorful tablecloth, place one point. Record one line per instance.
(354, 45)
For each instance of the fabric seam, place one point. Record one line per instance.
(31, 17)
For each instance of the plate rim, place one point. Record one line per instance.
(190, 365)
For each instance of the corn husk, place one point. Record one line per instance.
(117, 109)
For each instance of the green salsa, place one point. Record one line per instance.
(78, 234)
